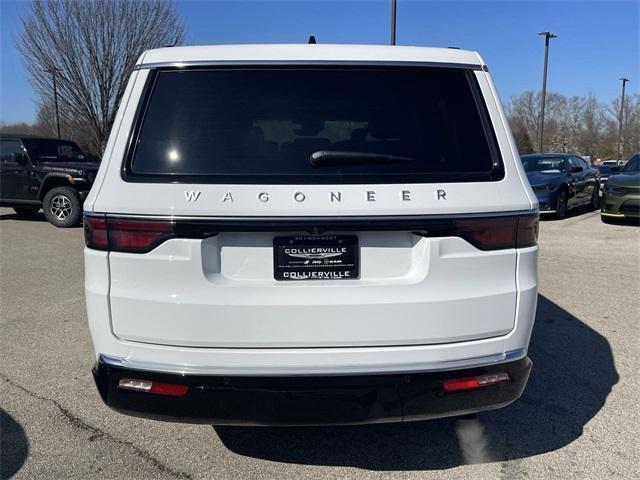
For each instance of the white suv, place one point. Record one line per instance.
(310, 234)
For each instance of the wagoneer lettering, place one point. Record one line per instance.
(300, 235)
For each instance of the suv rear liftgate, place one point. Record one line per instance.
(203, 284)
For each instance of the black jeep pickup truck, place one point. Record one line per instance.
(45, 173)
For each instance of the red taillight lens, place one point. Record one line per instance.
(137, 235)
(489, 233)
(499, 232)
(527, 230)
(458, 384)
(96, 234)
(120, 235)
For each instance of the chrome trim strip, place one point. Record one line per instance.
(251, 63)
(207, 370)
(302, 218)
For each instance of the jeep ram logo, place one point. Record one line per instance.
(191, 195)
(315, 253)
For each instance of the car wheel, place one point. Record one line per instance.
(595, 198)
(26, 211)
(561, 205)
(62, 207)
(607, 220)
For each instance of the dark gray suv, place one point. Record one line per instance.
(45, 173)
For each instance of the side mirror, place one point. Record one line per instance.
(575, 169)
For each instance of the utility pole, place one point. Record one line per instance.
(547, 36)
(393, 21)
(620, 145)
(53, 72)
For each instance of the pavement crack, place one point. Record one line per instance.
(96, 433)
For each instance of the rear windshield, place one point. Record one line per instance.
(313, 125)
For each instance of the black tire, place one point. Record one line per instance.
(62, 207)
(607, 220)
(561, 205)
(595, 198)
(26, 211)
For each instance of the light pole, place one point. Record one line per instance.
(393, 22)
(547, 36)
(620, 146)
(53, 72)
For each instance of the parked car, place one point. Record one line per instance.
(622, 193)
(605, 172)
(611, 163)
(45, 173)
(562, 181)
(310, 234)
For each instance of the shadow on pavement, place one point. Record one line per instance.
(14, 446)
(38, 217)
(572, 213)
(573, 372)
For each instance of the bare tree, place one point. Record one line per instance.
(92, 46)
(581, 125)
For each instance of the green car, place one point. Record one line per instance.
(622, 193)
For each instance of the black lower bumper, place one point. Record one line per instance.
(310, 400)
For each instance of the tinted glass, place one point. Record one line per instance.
(263, 125)
(533, 163)
(633, 165)
(582, 163)
(9, 150)
(45, 150)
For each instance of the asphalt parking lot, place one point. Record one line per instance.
(578, 417)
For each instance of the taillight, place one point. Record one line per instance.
(488, 233)
(527, 230)
(125, 235)
(137, 235)
(499, 232)
(95, 232)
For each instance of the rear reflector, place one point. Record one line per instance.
(469, 383)
(148, 386)
(171, 389)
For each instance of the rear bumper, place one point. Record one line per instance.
(310, 400)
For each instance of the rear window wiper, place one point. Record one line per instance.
(331, 157)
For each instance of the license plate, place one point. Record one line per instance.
(321, 257)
